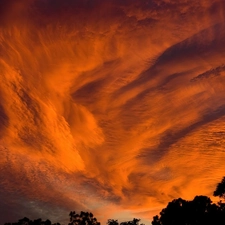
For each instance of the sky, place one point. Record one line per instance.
(110, 106)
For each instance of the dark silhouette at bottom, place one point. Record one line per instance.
(200, 211)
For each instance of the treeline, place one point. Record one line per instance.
(83, 218)
(200, 211)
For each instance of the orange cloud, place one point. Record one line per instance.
(111, 107)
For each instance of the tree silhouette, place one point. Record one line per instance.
(131, 222)
(199, 211)
(220, 189)
(112, 222)
(26, 221)
(84, 218)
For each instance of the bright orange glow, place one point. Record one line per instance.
(115, 108)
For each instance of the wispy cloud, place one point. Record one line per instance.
(109, 106)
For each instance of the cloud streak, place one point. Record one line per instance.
(109, 106)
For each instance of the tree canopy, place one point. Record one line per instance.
(84, 218)
(220, 189)
(199, 211)
(131, 222)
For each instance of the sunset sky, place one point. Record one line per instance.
(110, 106)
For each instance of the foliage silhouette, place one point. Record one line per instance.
(27, 221)
(112, 222)
(220, 189)
(199, 211)
(132, 222)
(84, 218)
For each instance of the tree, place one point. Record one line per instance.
(132, 222)
(220, 189)
(26, 221)
(135, 221)
(84, 218)
(112, 222)
(199, 211)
